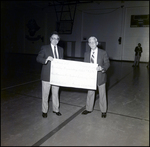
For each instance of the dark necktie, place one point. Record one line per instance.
(55, 54)
(92, 57)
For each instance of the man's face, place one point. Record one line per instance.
(54, 39)
(92, 43)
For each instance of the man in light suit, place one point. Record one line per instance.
(100, 57)
(45, 56)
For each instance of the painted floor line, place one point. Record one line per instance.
(46, 137)
(20, 84)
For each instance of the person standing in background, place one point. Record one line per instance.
(138, 50)
(100, 57)
(45, 56)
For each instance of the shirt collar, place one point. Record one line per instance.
(94, 51)
(53, 46)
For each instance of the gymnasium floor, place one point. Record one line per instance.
(126, 124)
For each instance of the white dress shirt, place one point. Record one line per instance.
(95, 55)
(56, 51)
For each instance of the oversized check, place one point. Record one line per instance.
(68, 73)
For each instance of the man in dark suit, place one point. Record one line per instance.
(138, 51)
(100, 57)
(45, 56)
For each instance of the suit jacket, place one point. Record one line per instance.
(138, 50)
(103, 61)
(46, 51)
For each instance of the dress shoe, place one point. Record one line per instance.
(103, 115)
(44, 115)
(57, 113)
(86, 112)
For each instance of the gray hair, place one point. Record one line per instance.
(92, 37)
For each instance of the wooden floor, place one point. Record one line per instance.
(126, 124)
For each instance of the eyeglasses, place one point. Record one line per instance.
(92, 42)
(55, 38)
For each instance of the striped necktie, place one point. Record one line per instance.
(92, 57)
(55, 54)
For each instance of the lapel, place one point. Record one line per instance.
(58, 49)
(89, 56)
(98, 56)
(50, 51)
